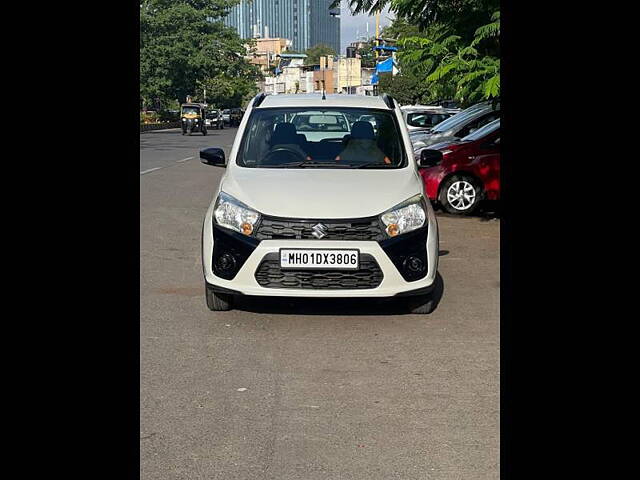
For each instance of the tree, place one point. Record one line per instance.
(470, 69)
(314, 53)
(463, 16)
(183, 43)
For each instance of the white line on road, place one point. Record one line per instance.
(184, 159)
(150, 170)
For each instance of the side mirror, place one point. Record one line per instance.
(430, 158)
(213, 156)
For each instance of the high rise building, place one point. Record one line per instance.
(305, 22)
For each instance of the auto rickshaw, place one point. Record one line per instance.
(192, 118)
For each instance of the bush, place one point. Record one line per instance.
(149, 117)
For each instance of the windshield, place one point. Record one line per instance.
(190, 111)
(483, 131)
(462, 117)
(301, 138)
(212, 114)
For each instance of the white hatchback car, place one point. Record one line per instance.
(320, 216)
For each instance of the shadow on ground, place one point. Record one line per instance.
(331, 306)
(486, 211)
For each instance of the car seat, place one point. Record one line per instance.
(361, 146)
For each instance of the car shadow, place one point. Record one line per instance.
(332, 306)
(487, 210)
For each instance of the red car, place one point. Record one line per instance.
(459, 174)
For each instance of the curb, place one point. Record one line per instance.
(158, 126)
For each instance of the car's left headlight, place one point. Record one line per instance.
(406, 217)
(235, 215)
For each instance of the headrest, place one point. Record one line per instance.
(362, 131)
(284, 133)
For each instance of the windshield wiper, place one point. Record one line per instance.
(373, 164)
(306, 163)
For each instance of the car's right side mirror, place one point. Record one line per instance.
(430, 158)
(213, 156)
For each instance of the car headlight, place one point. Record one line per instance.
(184, 119)
(406, 217)
(235, 215)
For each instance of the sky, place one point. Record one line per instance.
(351, 24)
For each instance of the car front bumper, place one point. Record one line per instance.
(393, 282)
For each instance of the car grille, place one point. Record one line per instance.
(360, 229)
(270, 275)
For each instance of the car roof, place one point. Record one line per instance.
(316, 101)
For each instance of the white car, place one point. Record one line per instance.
(324, 217)
(418, 117)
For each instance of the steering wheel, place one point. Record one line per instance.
(290, 155)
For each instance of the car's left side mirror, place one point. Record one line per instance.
(430, 158)
(213, 156)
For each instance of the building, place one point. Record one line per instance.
(265, 52)
(305, 22)
(349, 74)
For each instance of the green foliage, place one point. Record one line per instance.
(444, 64)
(184, 43)
(314, 53)
(368, 54)
(462, 16)
(226, 92)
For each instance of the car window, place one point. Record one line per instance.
(190, 110)
(288, 137)
(483, 131)
(425, 119)
(477, 123)
(459, 119)
(319, 122)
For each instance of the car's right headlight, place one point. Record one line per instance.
(235, 215)
(405, 217)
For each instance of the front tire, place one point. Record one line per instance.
(217, 302)
(204, 131)
(460, 194)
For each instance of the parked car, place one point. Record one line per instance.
(319, 217)
(214, 119)
(226, 116)
(235, 117)
(459, 125)
(420, 117)
(461, 173)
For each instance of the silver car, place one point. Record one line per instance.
(455, 127)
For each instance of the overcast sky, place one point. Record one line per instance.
(350, 25)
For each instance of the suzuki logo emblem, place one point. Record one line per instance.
(319, 231)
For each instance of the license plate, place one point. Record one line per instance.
(319, 259)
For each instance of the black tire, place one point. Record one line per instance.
(204, 131)
(462, 180)
(220, 126)
(217, 302)
(184, 132)
(422, 304)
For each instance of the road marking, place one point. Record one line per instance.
(150, 170)
(184, 159)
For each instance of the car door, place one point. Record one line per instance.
(486, 163)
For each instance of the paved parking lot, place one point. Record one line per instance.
(283, 389)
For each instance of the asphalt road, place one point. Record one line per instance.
(283, 389)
